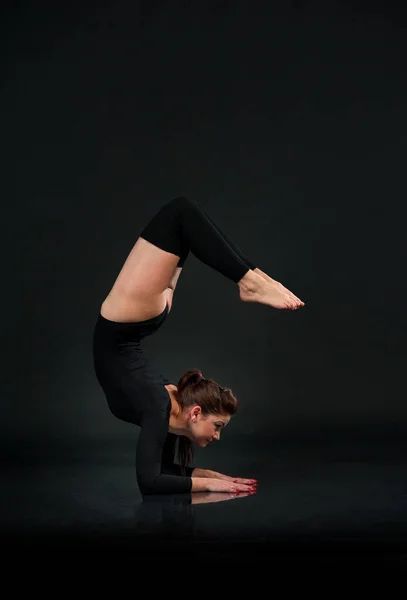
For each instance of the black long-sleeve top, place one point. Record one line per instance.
(135, 393)
(157, 472)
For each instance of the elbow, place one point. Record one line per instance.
(148, 485)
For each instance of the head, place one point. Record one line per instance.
(206, 407)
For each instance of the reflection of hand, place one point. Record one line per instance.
(208, 497)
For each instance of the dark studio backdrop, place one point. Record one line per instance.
(287, 121)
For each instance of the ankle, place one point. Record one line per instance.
(250, 282)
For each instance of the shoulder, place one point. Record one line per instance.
(157, 397)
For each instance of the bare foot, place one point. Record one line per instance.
(280, 285)
(254, 288)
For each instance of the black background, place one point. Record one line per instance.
(287, 121)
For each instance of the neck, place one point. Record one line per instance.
(177, 423)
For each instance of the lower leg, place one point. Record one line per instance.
(248, 262)
(231, 244)
(181, 226)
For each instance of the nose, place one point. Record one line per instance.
(216, 436)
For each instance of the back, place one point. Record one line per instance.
(130, 383)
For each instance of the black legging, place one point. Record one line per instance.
(182, 225)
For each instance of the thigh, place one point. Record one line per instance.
(141, 290)
(147, 271)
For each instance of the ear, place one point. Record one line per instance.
(195, 413)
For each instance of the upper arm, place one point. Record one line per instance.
(168, 453)
(168, 464)
(152, 438)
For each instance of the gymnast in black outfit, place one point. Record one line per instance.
(196, 409)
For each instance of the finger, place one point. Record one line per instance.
(243, 488)
(245, 481)
(239, 488)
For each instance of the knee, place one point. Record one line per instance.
(179, 208)
(183, 202)
(179, 202)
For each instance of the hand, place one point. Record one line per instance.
(229, 485)
(234, 479)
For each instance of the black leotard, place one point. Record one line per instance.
(134, 390)
(135, 393)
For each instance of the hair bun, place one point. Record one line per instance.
(194, 376)
(189, 378)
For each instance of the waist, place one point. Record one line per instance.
(131, 331)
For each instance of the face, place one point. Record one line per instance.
(206, 428)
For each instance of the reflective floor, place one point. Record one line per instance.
(324, 503)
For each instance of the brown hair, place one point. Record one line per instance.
(195, 389)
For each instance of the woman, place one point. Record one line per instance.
(196, 409)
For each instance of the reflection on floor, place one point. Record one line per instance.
(318, 503)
